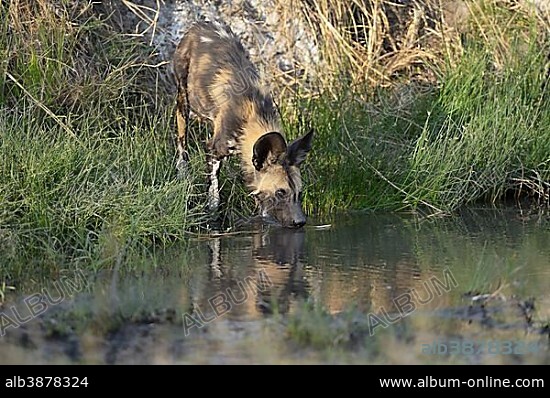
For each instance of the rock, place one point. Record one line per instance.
(280, 47)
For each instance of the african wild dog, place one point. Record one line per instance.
(216, 79)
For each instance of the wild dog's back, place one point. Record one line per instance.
(214, 65)
(214, 70)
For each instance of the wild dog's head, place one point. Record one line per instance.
(277, 180)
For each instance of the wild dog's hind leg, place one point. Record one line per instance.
(182, 59)
(182, 116)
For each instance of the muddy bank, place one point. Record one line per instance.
(493, 331)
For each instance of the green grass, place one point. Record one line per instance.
(87, 173)
(483, 135)
(86, 128)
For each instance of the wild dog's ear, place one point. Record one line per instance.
(268, 149)
(298, 149)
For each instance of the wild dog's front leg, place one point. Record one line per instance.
(220, 146)
(224, 140)
(182, 118)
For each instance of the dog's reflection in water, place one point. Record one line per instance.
(262, 278)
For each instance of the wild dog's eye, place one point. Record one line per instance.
(280, 193)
